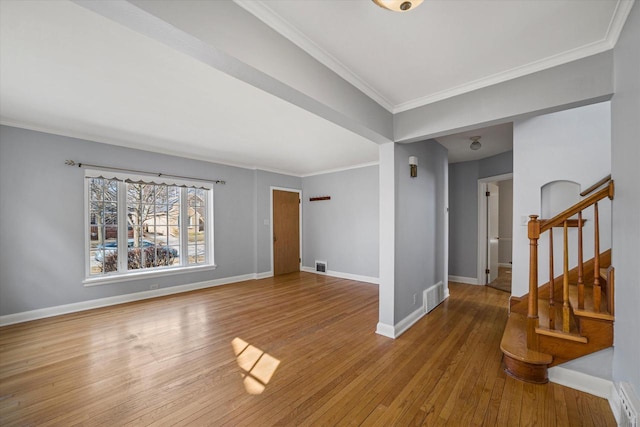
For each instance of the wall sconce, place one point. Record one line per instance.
(413, 166)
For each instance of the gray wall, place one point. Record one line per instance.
(420, 223)
(342, 231)
(463, 218)
(625, 160)
(463, 209)
(42, 218)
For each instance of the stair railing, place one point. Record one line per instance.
(535, 228)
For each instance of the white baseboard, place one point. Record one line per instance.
(580, 381)
(406, 323)
(42, 313)
(394, 332)
(340, 275)
(461, 279)
(615, 403)
(264, 275)
(402, 326)
(588, 384)
(385, 330)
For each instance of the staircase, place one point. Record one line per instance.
(572, 314)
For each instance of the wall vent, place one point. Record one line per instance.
(321, 266)
(432, 297)
(629, 406)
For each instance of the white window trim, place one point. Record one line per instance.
(141, 275)
(122, 275)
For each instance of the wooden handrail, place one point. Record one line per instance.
(596, 185)
(580, 206)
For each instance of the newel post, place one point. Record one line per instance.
(533, 228)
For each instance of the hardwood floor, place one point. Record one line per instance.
(503, 281)
(298, 349)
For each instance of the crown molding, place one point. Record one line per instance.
(347, 168)
(261, 11)
(623, 7)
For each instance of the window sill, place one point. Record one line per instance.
(127, 277)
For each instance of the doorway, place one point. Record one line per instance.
(495, 227)
(285, 231)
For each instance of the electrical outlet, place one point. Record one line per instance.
(154, 286)
(414, 298)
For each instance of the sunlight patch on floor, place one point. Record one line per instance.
(258, 367)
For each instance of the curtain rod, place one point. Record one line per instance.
(73, 163)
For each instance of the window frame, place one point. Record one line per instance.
(123, 274)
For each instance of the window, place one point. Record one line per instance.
(138, 225)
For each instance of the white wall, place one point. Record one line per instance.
(625, 169)
(570, 145)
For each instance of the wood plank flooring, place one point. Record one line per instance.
(298, 349)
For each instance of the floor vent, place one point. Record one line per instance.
(433, 296)
(321, 266)
(629, 406)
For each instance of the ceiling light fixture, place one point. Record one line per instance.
(475, 144)
(398, 5)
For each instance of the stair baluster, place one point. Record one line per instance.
(552, 310)
(580, 264)
(597, 292)
(565, 281)
(533, 229)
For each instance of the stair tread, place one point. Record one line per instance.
(514, 342)
(571, 336)
(588, 310)
(603, 273)
(543, 317)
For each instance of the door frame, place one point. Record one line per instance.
(482, 224)
(290, 190)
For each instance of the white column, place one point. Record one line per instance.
(387, 240)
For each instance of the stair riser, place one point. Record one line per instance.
(564, 350)
(598, 331)
(527, 372)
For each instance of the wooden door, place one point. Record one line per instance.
(286, 232)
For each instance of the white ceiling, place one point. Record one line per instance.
(443, 47)
(67, 70)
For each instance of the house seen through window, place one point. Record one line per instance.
(136, 224)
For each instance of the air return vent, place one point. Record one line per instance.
(433, 296)
(629, 406)
(321, 266)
